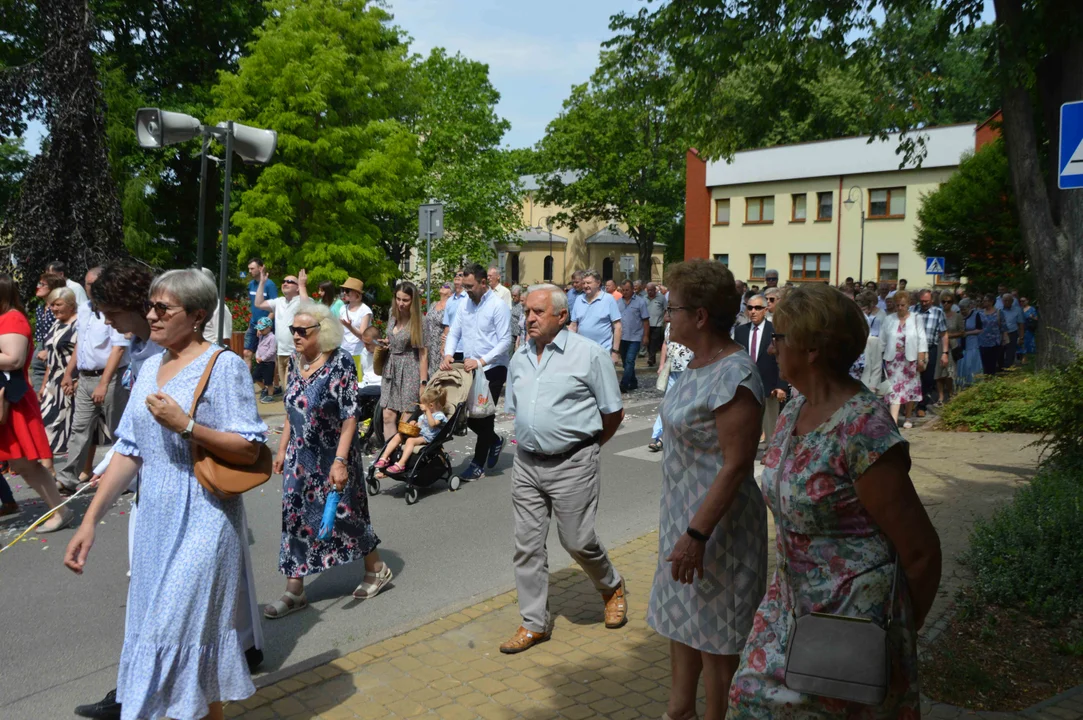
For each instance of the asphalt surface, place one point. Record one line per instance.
(62, 633)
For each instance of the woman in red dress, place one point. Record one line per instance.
(23, 442)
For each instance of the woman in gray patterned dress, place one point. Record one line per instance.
(406, 370)
(712, 536)
(434, 328)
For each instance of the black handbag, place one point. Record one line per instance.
(957, 352)
(835, 656)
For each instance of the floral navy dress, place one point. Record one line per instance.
(316, 407)
(839, 562)
(189, 552)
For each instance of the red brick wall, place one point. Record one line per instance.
(697, 208)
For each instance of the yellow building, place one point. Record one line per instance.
(798, 208)
(526, 257)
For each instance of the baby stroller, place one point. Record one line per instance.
(430, 463)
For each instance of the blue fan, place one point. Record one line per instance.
(329, 510)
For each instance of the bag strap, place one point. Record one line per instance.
(202, 386)
(781, 527)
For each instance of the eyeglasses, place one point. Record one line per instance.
(302, 331)
(671, 308)
(775, 337)
(756, 307)
(42, 283)
(162, 310)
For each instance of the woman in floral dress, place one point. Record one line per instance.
(407, 365)
(434, 328)
(905, 353)
(678, 357)
(56, 405)
(837, 479)
(320, 451)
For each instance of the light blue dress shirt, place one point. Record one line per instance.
(559, 401)
(482, 330)
(595, 319)
(1013, 318)
(632, 315)
(450, 308)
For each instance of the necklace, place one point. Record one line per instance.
(712, 358)
(306, 366)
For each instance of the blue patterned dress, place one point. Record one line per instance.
(714, 613)
(316, 407)
(181, 646)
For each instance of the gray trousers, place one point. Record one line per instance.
(85, 421)
(569, 489)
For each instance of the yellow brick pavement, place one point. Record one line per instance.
(452, 668)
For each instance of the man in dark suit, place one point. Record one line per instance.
(755, 337)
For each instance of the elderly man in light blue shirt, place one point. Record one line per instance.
(564, 394)
(480, 336)
(454, 302)
(1014, 322)
(596, 316)
(635, 328)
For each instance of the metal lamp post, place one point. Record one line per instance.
(156, 128)
(849, 204)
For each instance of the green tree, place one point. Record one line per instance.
(331, 77)
(971, 221)
(617, 137)
(13, 163)
(1035, 55)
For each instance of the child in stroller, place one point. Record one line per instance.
(428, 423)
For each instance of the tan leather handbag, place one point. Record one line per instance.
(222, 478)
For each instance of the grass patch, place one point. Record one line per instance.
(1014, 401)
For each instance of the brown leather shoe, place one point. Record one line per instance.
(616, 608)
(523, 640)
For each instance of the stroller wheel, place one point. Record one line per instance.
(454, 483)
(373, 485)
(411, 496)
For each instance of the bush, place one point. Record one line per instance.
(1030, 553)
(1015, 401)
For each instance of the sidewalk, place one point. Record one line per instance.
(452, 668)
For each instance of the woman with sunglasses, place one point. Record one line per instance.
(320, 451)
(183, 655)
(712, 536)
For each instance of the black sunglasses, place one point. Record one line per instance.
(289, 282)
(756, 307)
(302, 331)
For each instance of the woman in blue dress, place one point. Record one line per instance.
(970, 364)
(182, 656)
(1030, 324)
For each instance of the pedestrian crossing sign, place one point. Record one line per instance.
(1070, 168)
(934, 266)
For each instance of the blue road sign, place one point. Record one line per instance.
(934, 266)
(1070, 168)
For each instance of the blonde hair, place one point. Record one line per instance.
(820, 317)
(330, 328)
(901, 296)
(61, 293)
(434, 396)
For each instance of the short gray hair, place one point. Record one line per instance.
(761, 296)
(771, 291)
(769, 273)
(191, 288)
(331, 332)
(516, 289)
(591, 272)
(61, 293)
(556, 296)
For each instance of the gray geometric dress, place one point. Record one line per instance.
(181, 646)
(713, 614)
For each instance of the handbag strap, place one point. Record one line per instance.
(781, 528)
(203, 380)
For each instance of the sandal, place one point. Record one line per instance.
(367, 589)
(380, 464)
(655, 445)
(396, 469)
(288, 603)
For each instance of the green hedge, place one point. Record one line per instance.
(1015, 401)
(1030, 553)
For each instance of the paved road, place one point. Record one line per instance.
(62, 633)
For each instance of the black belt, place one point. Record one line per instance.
(556, 457)
(98, 373)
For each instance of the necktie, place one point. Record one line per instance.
(754, 346)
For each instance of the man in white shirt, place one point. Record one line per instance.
(210, 330)
(94, 371)
(483, 325)
(498, 287)
(284, 307)
(57, 267)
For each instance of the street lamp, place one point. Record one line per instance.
(552, 261)
(850, 204)
(156, 128)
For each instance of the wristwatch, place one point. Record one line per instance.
(186, 433)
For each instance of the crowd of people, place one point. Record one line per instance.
(815, 380)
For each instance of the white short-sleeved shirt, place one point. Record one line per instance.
(284, 311)
(95, 340)
(350, 342)
(369, 378)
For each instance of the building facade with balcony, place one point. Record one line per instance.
(785, 208)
